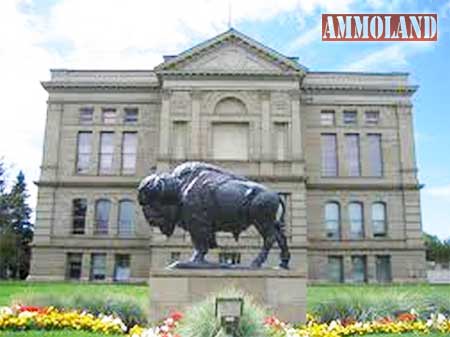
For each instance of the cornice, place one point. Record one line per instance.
(104, 86)
(362, 186)
(366, 89)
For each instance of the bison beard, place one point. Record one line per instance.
(204, 199)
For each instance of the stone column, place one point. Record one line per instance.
(86, 266)
(164, 132)
(109, 267)
(371, 269)
(296, 134)
(266, 154)
(408, 167)
(52, 139)
(195, 126)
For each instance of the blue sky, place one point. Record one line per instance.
(42, 34)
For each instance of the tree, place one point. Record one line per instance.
(437, 250)
(5, 234)
(20, 213)
(16, 230)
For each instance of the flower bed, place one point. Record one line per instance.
(40, 318)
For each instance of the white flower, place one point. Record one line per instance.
(164, 328)
(27, 314)
(291, 332)
(149, 333)
(333, 325)
(6, 311)
(440, 319)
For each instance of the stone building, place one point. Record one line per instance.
(338, 146)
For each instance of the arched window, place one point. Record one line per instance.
(230, 105)
(102, 210)
(379, 225)
(355, 216)
(126, 218)
(333, 220)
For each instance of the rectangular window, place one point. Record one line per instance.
(84, 149)
(230, 258)
(131, 115)
(355, 216)
(379, 223)
(375, 155)
(359, 269)
(86, 115)
(126, 218)
(327, 118)
(102, 210)
(329, 155)
(383, 268)
(129, 152)
(281, 141)
(180, 140)
(332, 219)
(122, 268)
(372, 117)
(106, 152)
(98, 266)
(335, 269)
(108, 115)
(74, 266)
(230, 141)
(79, 207)
(353, 156)
(350, 117)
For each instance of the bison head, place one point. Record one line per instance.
(158, 195)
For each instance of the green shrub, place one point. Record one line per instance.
(200, 320)
(364, 304)
(126, 307)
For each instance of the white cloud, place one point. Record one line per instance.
(439, 191)
(22, 118)
(310, 36)
(391, 57)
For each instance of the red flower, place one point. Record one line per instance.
(385, 320)
(406, 317)
(176, 316)
(348, 321)
(31, 308)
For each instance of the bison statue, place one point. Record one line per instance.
(204, 199)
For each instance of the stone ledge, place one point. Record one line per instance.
(229, 273)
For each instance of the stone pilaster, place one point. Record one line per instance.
(164, 131)
(195, 126)
(296, 134)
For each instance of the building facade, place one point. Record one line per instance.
(337, 146)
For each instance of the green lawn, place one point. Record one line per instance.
(12, 290)
(316, 294)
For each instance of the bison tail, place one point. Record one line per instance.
(281, 212)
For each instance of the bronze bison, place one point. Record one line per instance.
(204, 199)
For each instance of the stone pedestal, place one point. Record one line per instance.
(282, 292)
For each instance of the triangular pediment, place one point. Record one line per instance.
(231, 52)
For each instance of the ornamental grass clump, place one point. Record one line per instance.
(131, 311)
(200, 320)
(367, 305)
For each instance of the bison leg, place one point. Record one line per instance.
(285, 256)
(200, 241)
(269, 238)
